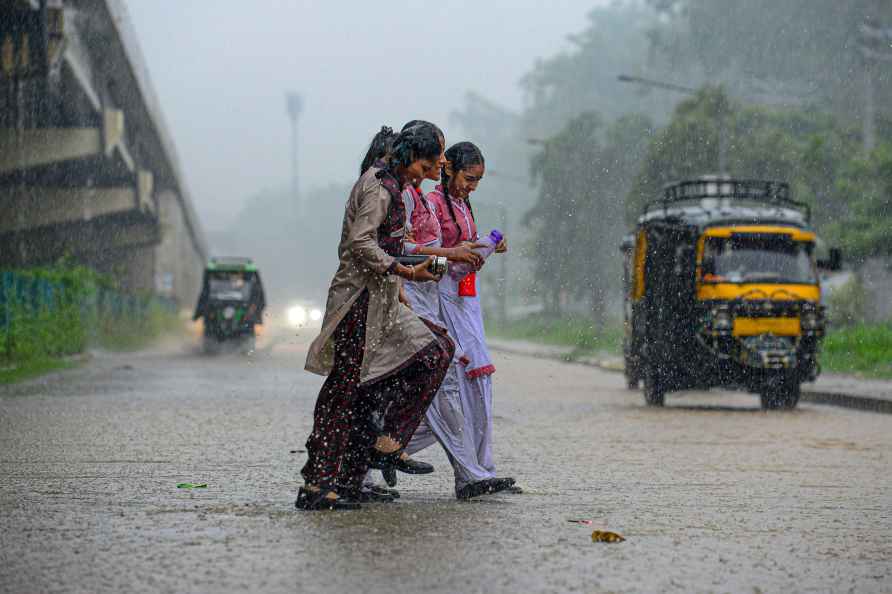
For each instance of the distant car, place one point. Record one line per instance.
(231, 303)
(300, 315)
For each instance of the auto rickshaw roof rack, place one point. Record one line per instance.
(232, 263)
(774, 193)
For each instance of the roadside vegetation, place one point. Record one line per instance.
(864, 350)
(579, 333)
(49, 316)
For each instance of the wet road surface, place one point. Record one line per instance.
(712, 494)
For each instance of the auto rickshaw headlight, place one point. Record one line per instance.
(809, 320)
(228, 312)
(722, 319)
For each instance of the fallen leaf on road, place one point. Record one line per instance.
(192, 485)
(605, 536)
(586, 522)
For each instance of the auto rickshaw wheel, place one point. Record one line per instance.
(780, 391)
(654, 389)
(631, 373)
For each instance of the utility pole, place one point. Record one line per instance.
(874, 44)
(294, 105)
(721, 115)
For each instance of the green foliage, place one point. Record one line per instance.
(42, 312)
(866, 183)
(53, 312)
(860, 349)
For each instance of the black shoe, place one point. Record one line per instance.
(500, 484)
(410, 466)
(514, 490)
(484, 487)
(310, 501)
(389, 475)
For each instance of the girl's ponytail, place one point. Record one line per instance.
(379, 148)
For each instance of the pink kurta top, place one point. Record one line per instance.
(421, 221)
(463, 315)
(454, 232)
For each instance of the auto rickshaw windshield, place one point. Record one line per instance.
(758, 258)
(230, 286)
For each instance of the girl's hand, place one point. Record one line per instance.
(502, 247)
(419, 273)
(464, 253)
(403, 298)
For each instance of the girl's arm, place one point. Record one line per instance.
(362, 237)
(460, 253)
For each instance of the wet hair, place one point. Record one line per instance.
(412, 123)
(379, 148)
(421, 141)
(461, 156)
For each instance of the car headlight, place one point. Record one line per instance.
(315, 314)
(297, 315)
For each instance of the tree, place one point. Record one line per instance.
(584, 172)
(851, 195)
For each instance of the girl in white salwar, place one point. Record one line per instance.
(463, 318)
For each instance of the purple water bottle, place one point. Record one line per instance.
(461, 269)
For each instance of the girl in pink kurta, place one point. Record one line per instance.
(464, 316)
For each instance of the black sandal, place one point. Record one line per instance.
(318, 500)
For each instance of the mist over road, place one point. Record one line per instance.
(711, 493)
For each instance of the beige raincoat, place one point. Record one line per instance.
(393, 333)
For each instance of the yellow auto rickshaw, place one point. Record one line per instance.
(722, 290)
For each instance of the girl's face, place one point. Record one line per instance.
(463, 183)
(426, 168)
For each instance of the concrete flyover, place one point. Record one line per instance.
(88, 169)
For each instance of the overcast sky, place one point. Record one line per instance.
(221, 68)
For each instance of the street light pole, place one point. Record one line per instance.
(294, 105)
(720, 116)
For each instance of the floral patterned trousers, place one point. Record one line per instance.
(348, 417)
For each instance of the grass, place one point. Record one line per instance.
(33, 368)
(579, 333)
(864, 350)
